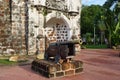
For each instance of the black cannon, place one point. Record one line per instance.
(61, 50)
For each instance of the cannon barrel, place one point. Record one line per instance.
(61, 50)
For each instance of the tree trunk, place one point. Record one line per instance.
(109, 40)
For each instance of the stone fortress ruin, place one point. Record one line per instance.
(27, 26)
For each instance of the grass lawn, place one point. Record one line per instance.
(6, 62)
(95, 46)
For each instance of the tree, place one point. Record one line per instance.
(112, 22)
(109, 3)
(116, 34)
(90, 17)
(110, 25)
(102, 29)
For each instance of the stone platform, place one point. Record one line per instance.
(52, 70)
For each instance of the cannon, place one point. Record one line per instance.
(61, 50)
(58, 61)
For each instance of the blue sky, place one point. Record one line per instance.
(89, 2)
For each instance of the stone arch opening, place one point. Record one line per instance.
(57, 30)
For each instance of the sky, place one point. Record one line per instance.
(96, 2)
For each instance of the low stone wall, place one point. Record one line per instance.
(52, 70)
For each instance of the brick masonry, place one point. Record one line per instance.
(53, 70)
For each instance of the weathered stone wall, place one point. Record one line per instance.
(12, 27)
(19, 26)
(30, 25)
(5, 28)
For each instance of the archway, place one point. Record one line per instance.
(57, 30)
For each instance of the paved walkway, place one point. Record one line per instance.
(99, 64)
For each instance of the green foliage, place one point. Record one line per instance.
(88, 38)
(112, 23)
(116, 35)
(117, 8)
(90, 17)
(104, 46)
(104, 20)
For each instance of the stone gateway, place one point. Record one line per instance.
(29, 26)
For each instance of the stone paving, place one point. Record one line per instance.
(99, 64)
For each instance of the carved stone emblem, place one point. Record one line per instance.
(56, 4)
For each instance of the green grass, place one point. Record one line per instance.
(6, 62)
(95, 46)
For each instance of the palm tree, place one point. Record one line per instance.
(110, 24)
(109, 3)
(102, 29)
(111, 19)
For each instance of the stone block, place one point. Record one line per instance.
(5, 36)
(78, 70)
(58, 74)
(40, 56)
(13, 58)
(58, 67)
(5, 44)
(23, 47)
(66, 66)
(72, 66)
(40, 71)
(44, 73)
(45, 65)
(1, 51)
(70, 72)
(1, 40)
(22, 58)
(51, 69)
(51, 75)
(77, 64)
(4, 49)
